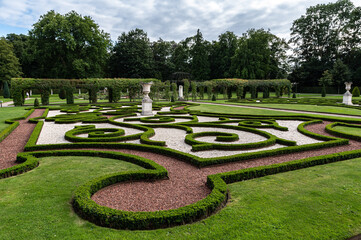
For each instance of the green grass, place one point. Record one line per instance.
(250, 111)
(315, 203)
(237, 110)
(311, 108)
(5, 99)
(8, 113)
(349, 130)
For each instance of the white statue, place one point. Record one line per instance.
(347, 97)
(146, 102)
(181, 98)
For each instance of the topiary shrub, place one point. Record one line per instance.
(355, 92)
(294, 95)
(172, 99)
(62, 93)
(36, 102)
(323, 91)
(6, 91)
(214, 97)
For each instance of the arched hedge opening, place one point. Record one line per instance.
(93, 85)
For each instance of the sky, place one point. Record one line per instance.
(167, 19)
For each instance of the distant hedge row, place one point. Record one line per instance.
(115, 85)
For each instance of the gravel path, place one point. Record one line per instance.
(186, 183)
(15, 142)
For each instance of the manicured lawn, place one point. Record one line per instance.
(5, 99)
(349, 130)
(315, 203)
(237, 110)
(311, 108)
(8, 113)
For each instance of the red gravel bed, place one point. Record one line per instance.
(187, 184)
(179, 108)
(15, 142)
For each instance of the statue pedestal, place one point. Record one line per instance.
(347, 98)
(146, 102)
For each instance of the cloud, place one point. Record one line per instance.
(169, 20)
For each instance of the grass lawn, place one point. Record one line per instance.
(249, 111)
(8, 113)
(311, 108)
(349, 130)
(5, 99)
(315, 203)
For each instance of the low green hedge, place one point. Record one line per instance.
(13, 124)
(330, 128)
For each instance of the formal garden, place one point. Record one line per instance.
(214, 164)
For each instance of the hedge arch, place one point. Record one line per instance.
(93, 85)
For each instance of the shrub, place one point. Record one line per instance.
(6, 90)
(294, 95)
(323, 91)
(62, 94)
(36, 102)
(214, 97)
(355, 92)
(172, 99)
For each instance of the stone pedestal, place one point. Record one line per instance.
(181, 97)
(146, 102)
(347, 97)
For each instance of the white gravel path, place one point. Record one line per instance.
(54, 133)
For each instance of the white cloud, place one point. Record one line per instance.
(170, 20)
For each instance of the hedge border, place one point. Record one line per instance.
(13, 124)
(330, 128)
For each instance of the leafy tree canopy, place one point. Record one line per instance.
(9, 63)
(69, 46)
(132, 55)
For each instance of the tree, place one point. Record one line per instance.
(132, 55)
(181, 57)
(326, 79)
(325, 33)
(162, 52)
(6, 90)
(340, 73)
(199, 53)
(24, 51)
(69, 46)
(221, 53)
(260, 55)
(9, 63)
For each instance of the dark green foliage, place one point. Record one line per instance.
(356, 92)
(36, 102)
(340, 73)
(172, 99)
(69, 96)
(214, 97)
(6, 90)
(9, 63)
(45, 94)
(221, 53)
(323, 92)
(174, 91)
(325, 33)
(62, 93)
(162, 52)
(132, 56)
(68, 46)
(199, 52)
(201, 92)
(260, 55)
(294, 95)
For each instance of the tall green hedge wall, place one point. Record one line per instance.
(115, 85)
